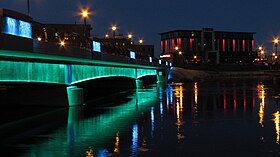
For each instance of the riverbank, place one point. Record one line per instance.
(190, 74)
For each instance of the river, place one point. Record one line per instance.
(237, 117)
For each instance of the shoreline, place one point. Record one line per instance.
(178, 74)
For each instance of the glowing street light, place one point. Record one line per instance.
(39, 39)
(260, 48)
(276, 41)
(130, 36)
(114, 28)
(180, 52)
(141, 41)
(62, 43)
(106, 35)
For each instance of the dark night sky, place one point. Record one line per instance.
(147, 18)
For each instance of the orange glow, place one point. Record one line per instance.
(277, 126)
(117, 149)
(180, 52)
(261, 95)
(85, 13)
(106, 35)
(194, 57)
(89, 153)
(114, 28)
(39, 39)
(276, 40)
(62, 43)
(141, 41)
(260, 48)
(176, 48)
(129, 36)
(273, 54)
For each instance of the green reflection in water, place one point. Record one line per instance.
(79, 135)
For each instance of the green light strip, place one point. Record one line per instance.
(11, 71)
(72, 60)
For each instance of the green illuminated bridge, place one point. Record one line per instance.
(30, 67)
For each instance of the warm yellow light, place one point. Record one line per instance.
(180, 52)
(260, 48)
(84, 13)
(276, 40)
(129, 36)
(262, 52)
(141, 41)
(39, 39)
(176, 48)
(106, 35)
(275, 57)
(62, 43)
(114, 28)
(194, 57)
(273, 54)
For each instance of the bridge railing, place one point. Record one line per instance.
(71, 51)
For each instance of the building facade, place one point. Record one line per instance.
(207, 45)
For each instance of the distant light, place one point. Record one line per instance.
(170, 64)
(275, 57)
(132, 55)
(85, 13)
(62, 43)
(114, 28)
(129, 36)
(141, 41)
(106, 35)
(151, 59)
(194, 57)
(276, 40)
(260, 48)
(159, 61)
(180, 52)
(165, 56)
(39, 39)
(96, 46)
(166, 63)
(176, 48)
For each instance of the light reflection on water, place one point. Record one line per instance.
(229, 118)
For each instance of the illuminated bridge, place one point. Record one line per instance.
(28, 67)
(24, 60)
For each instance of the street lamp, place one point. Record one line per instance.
(276, 41)
(114, 28)
(130, 36)
(85, 15)
(141, 41)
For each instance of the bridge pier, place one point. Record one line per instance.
(75, 96)
(161, 79)
(139, 83)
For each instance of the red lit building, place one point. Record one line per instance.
(207, 45)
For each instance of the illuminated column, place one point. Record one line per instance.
(139, 83)
(75, 96)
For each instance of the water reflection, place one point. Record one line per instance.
(276, 120)
(261, 96)
(192, 119)
(91, 132)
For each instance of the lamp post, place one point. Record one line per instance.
(28, 8)
(114, 28)
(276, 41)
(85, 14)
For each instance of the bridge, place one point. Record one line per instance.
(30, 67)
(24, 59)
